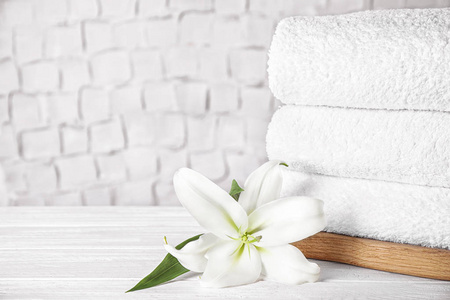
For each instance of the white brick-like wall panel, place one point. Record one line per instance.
(140, 129)
(223, 97)
(161, 32)
(15, 177)
(129, 34)
(185, 5)
(42, 143)
(26, 111)
(241, 165)
(304, 7)
(74, 140)
(74, 75)
(112, 167)
(9, 79)
(9, 148)
(388, 4)
(62, 108)
(346, 6)
(147, 65)
(135, 193)
(141, 163)
(256, 130)
(40, 77)
(63, 41)
(165, 193)
(82, 9)
(192, 97)
(41, 178)
(15, 13)
(6, 44)
(210, 164)
(107, 136)
(126, 100)
(226, 31)
(160, 96)
(65, 199)
(51, 11)
(28, 43)
(257, 30)
(28, 201)
(230, 7)
(213, 65)
(171, 131)
(101, 101)
(196, 28)
(270, 8)
(153, 8)
(76, 172)
(170, 162)
(256, 102)
(112, 67)
(118, 9)
(249, 65)
(4, 109)
(181, 62)
(427, 3)
(94, 105)
(98, 36)
(97, 197)
(201, 133)
(231, 133)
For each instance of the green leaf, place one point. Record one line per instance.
(168, 269)
(284, 164)
(235, 190)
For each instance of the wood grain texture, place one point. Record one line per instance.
(378, 255)
(188, 288)
(137, 263)
(99, 252)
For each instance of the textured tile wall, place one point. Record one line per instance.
(102, 100)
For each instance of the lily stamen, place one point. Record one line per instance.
(248, 239)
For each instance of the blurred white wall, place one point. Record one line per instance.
(102, 100)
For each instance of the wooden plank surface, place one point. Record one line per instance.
(378, 255)
(132, 263)
(189, 289)
(98, 253)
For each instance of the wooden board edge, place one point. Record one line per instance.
(379, 255)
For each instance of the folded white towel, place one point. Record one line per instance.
(392, 59)
(380, 210)
(402, 146)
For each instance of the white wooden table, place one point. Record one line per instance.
(100, 252)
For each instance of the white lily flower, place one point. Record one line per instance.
(251, 237)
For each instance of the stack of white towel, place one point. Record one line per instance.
(366, 127)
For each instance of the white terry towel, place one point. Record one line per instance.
(391, 59)
(400, 146)
(380, 210)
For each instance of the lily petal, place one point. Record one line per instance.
(192, 255)
(287, 264)
(212, 207)
(287, 220)
(231, 263)
(262, 186)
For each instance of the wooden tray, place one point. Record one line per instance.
(385, 256)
